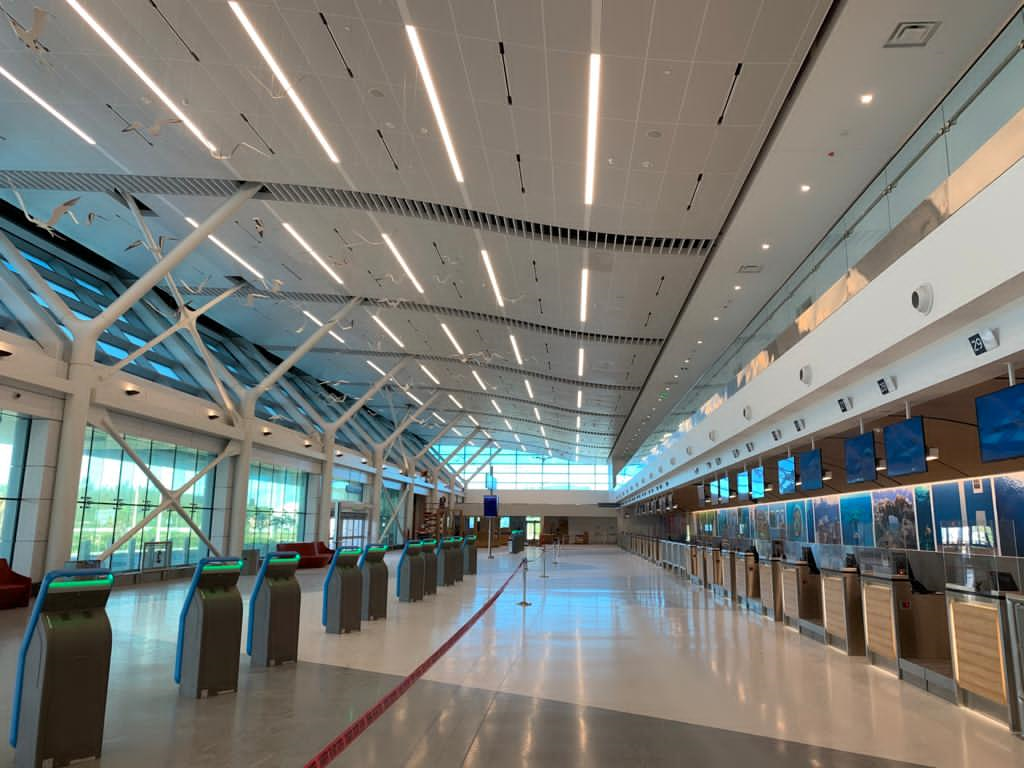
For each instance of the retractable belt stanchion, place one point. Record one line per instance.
(273, 636)
(60, 686)
(429, 566)
(343, 592)
(375, 582)
(210, 630)
(469, 556)
(409, 579)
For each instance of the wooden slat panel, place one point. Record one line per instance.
(767, 587)
(979, 650)
(834, 598)
(878, 620)
(790, 593)
(741, 577)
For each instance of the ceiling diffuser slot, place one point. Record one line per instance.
(696, 189)
(732, 89)
(519, 164)
(504, 69)
(386, 147)
(337, 47)
(912, 34)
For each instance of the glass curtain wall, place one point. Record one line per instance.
(276, 511)
(353, 523)
(389, 507)
(519, 470)
(14, 431)
(114, 495)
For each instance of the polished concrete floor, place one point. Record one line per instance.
(616, 662)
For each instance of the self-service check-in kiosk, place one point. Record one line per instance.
(445, 562)
(469, 556)
(343, 592)
(516, 542)
(429, 566)
(210, 630)
(409, 579)
(457, 557)
(273, 635)
(60, 687)
(375, 582)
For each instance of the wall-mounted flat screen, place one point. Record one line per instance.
(810, 470)
(787, 475)
(757, 483)
(905, 453)
(860, 458)
(1001, 424)
(490, 506)
(723, 488)
(743, 486)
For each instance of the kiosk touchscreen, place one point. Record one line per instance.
(210, 630)
(273, 636)
(343, 592)
(375, 582)
(469, 556)
(60, 687)
(409, 581)
(429, 566)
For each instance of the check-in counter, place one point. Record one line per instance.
(717, 569)
(842, 613)
(747, 579)
(726, 587)
(801, 597)
(982, 650)
(769, 579)
(706, 568)
(684, 559)
(907, 632)
(696, 560)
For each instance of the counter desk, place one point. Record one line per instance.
(801, 598)
(769, 578)
(748, 593)
(842, 613)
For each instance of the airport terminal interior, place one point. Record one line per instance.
(511, 383)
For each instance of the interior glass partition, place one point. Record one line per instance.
(276, 511)
(14, 432)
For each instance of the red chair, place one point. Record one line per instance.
(312, 554)
(15, 589)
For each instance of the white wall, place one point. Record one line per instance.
(543, 503)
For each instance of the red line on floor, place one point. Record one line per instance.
(358, 726)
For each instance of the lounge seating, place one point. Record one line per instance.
(15, 589)
(312, 554)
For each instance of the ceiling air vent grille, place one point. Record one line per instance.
(911, 34)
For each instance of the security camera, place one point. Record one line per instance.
(845, 404)
(886, 385)
(799, 424)
(921, 298)
(718, 461)
(712, 435)
(735, 453)
(748, 412)
(689, 450)
(750, 447)
(776, 435)
(805, 375)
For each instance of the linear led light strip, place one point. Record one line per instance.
(283, 79)
(451, 338)
(480, 381)
(412, 397)
(141, 74)
(579, 398)
(401, 261)
(593, 99)
(213, 239)
(317, 320)
(45, 105)
(579, 364)
(376, 367)
(529, 389)
(515, 348)
(495, 404)
(316, 257)
(388, 331)
(536, 413)
(584, 290)
(494, 283)
(475, 422)
(454, 400)
(435, 102)
(438, 416)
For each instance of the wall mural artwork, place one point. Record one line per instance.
(925, 527)
(894, 522)
(827, 529)
(979, 509)
(761, 524)
(777, 520)
(855, 515)
(796, 520)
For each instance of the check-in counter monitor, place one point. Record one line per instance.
(274, 605)
(375, 582)
(429, 550)
(60, 686)
(982, 634)
(469, 556)
(343, 592)
(210, 630)
(410, 574)
(905, 626)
